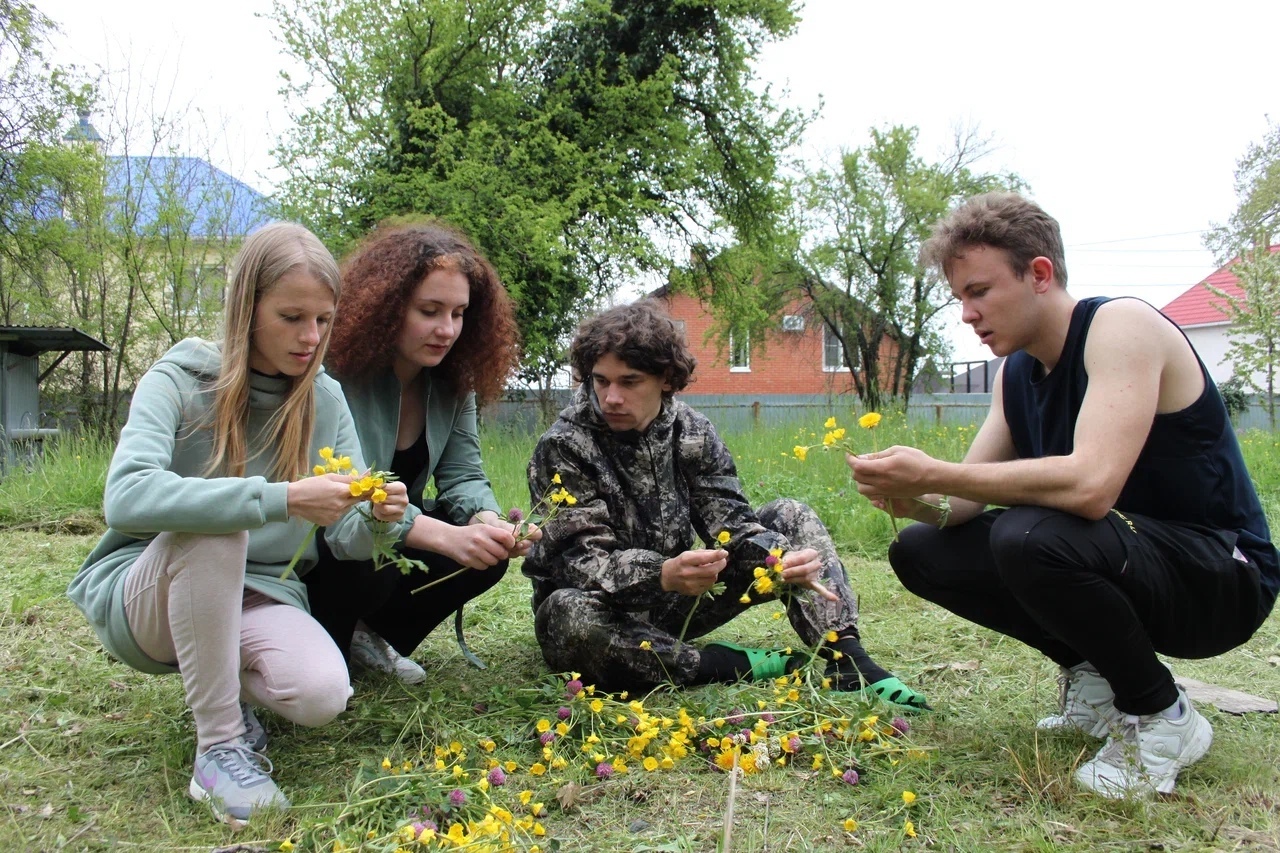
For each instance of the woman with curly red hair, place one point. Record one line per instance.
(426, 332)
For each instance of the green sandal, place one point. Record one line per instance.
(893, 692)
(765, 663)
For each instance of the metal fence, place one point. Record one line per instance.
(741, 412)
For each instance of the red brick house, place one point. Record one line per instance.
(798, 356)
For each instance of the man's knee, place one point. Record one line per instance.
(913, 554)
(565, 618)
(783, 514)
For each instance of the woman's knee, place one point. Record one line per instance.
(321, 696)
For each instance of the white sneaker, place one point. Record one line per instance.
(1086, 702)
(1146, 753)
(372, 652)
(255, 734)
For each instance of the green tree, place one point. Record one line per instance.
(851, 255)
(1245, 242)
(570, 140)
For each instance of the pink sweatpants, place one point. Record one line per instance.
(187, 605)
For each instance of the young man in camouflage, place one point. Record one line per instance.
(616, 576)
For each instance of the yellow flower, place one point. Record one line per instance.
(745, 599)
(596, 705)
(525, 797)
(870, 420)
(378, 496)
(286, 845)
(318, 471)
(909, 829)
(759, 572)
(908, 797)
(644, 644)
(830, 424)
(538, 769)
(800, 451)
(838, 433)
(544, 725)
(829, 439)
(556, 479)
(386, 764)
(850, 825)
(651, 764)
(722, 538)
(570, 499)
(326, 453)
(831, 637)
(763, 585)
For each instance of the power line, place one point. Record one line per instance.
(1135, 239)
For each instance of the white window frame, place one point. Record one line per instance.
(745, 351)
(827, 337)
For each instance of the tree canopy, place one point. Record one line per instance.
(574, 142)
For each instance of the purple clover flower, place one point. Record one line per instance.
(565, 712)
(547, 738)
(604, 770)
(457, 797)
(794, 744)
(515, 515)
(850, 776)
(771, 561)
(900, 725)
(497, 778)
(768, 718)
(573, 688)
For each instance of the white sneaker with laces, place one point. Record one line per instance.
(372, 652)
(1145, 754)
(255, 734)
(1086, 702)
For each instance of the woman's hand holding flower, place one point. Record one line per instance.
(394, 503)
(322, 499)
(524, 533)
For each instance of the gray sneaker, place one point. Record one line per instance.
(255, 734)
(235, 781)
(1087, 703)
(372, 652)
(1145, 753)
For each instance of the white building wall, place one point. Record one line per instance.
(1211, 344)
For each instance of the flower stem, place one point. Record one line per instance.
(441, 580)
(297, 555)
(687, 619)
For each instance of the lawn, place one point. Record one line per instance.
(94, 756)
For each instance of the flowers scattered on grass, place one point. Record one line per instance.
(483, 784)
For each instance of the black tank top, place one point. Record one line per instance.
(1190, 470)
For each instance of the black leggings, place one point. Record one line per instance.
(342, 592)
(1112, 592)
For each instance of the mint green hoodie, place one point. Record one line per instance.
(156, 483)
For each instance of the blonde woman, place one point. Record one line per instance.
(207, 499)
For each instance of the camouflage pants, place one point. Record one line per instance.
(579, 631)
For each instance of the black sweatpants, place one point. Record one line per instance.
(1112, 592)
(342, 592)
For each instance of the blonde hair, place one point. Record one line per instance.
(269, 254)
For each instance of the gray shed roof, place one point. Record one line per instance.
(31, 340)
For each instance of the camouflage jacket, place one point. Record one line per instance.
(641, 497)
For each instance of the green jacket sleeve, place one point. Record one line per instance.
(462, 488)
(144, 497)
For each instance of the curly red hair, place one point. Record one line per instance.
(378, 279)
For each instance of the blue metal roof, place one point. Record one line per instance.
(207, 201)
(144, 192)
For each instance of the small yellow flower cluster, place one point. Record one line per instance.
(835, 436)
(767, 577)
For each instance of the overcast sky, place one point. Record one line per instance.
(1125, 119)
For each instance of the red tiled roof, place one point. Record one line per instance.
(1199, 306)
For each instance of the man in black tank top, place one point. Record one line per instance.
(1132, 527)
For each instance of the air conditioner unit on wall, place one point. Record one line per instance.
(792, 323)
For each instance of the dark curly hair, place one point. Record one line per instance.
(641, 334)
(378, 279)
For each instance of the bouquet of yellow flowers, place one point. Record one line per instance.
(369, 487)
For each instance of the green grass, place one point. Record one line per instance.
(94, 756)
